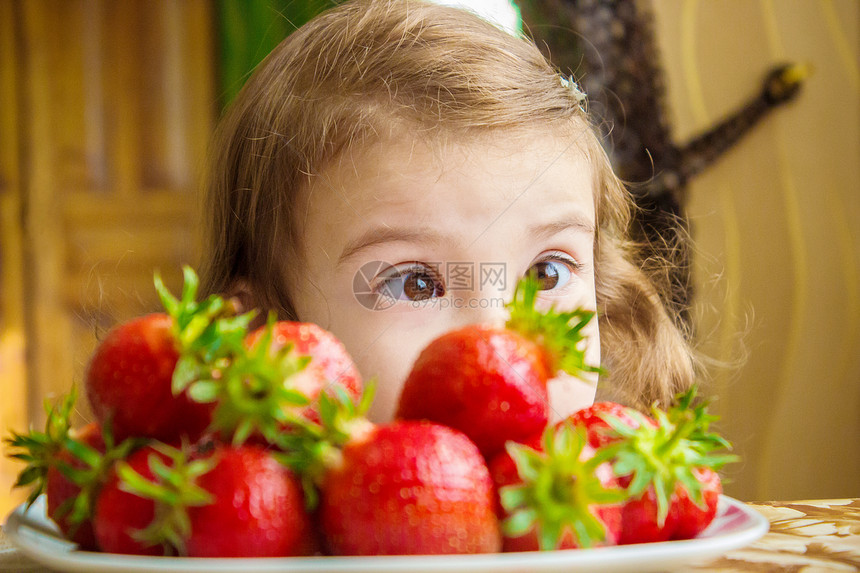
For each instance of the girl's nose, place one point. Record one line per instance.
(478, 307)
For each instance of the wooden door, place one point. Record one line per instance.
(107, 109)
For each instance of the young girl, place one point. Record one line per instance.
(390, 171)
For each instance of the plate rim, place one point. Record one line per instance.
(682, 551)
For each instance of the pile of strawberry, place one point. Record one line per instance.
(215, 440)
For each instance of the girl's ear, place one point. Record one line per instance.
(242, 291)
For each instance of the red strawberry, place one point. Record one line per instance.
(556, 494)
(121, 517)
(409, 488)
(68, 466)
(61, 492)
(666, 463)
(329, 361)
(688, 517)
(640, 511)
(503, 469)
(137, 375)
(641, 521)
(230, 502)
(593, 419)
(129, 382)
(258, 508)
(259, 393)
(640, 516)
(403, 488)
(491, 383)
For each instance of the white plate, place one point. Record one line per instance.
(736, 525)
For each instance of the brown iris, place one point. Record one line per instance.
(546, 274)
(419, 285)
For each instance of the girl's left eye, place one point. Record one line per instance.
(553, 271)
(411, 281)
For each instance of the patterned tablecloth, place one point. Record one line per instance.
(804, 536)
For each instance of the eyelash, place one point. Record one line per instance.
(403, 271)
(573, 267)
(561, 257)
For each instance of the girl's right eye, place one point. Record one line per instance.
(409, 281)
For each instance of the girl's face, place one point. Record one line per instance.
(405, 241)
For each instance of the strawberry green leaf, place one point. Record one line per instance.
(309, 449)
(133, 482)
(187, 371)
(327, 410)
(550, 534)
(204, 391)
(514, 496)
(43, 451)
(520, 522)
(557, 491)
(243, 431)
(366, 398)
(254, 392)
(665, 454)
(39, 450)
(174, 489)
(83, 452)
(558, 333)
(28, 476)
(94, 474)
(208, 333)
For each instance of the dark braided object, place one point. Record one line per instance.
(609, 46)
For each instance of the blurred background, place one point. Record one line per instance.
(107, 107)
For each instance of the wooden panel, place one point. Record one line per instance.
(118, 109)
(12, 349)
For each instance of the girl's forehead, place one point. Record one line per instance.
(398, 151)
(440, 179)
(570, 134)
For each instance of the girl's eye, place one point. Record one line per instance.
(554, 271)
(410, 281)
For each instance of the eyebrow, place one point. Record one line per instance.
(381, 235)
(575, 221)
(384, 234)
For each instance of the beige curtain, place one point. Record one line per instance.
(777, 265)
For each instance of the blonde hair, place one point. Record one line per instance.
(353, 72)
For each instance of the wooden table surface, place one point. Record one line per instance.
(804, 536)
